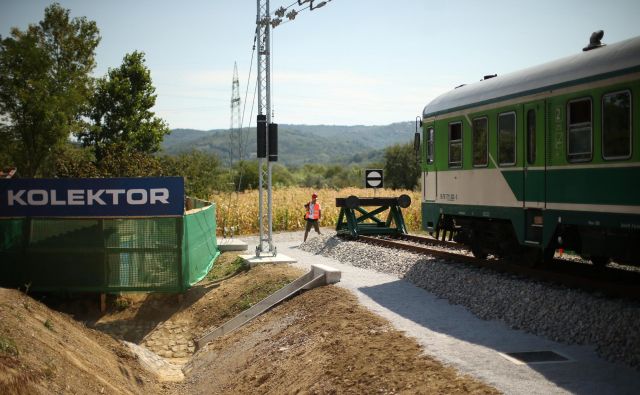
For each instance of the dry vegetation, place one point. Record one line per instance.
(241, 210)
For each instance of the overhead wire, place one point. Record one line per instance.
(253, 101)
(241, 145)
(282, 10)
(244, 106)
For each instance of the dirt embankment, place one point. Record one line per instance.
(321, 342)
(45, 352)
(167, 326)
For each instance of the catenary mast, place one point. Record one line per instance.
(267, 133)
(265, 245)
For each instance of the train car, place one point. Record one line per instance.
(540, 159)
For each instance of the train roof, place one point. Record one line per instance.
(599, 63)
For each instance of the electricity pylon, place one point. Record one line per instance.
(236, 149)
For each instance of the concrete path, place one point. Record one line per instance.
(456, 337)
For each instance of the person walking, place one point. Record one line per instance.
(312, 216)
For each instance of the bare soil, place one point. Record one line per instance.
(319, 342)
(45, 352)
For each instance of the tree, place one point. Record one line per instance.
(401, 167)
(121, 110)
(246, 175)
(201, 172)
(72, 162)
(119, 161)
(45, 85)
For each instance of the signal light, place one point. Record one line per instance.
(261, 129)
(273, 142)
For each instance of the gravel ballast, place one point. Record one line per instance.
(558, 313)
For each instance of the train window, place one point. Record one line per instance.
(455, 144)
(430, 145)
(616, 125)
(579, 145)
(531, 136)
(507, 139)
(480, 137)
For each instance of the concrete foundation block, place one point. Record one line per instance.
(253, 260)
(225, 245)
(331, 275)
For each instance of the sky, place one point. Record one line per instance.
(351, 62)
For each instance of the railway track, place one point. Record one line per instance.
(608, 281)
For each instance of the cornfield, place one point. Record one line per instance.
(240, 210)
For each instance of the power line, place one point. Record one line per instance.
(246, 93)
(277, 18)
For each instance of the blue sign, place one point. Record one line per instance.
(92, 197)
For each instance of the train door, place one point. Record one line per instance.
(534, 169)
(429, 181)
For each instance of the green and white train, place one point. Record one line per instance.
(540, 159)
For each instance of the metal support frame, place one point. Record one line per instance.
(349, 223)
(265, 245)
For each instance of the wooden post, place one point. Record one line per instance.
(103, 302)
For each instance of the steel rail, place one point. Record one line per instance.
(606, 281)
(432, 241)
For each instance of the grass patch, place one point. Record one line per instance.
(8, 346)
(256, 293)
(48, 324)
(225, 265)
(121, 303)
(49, 370)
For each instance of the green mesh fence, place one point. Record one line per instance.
(109, 255)
(200, 247)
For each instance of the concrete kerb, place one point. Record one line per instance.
(253, 260)
(331, 275)
(225, 244)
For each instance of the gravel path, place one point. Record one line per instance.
(555, 312)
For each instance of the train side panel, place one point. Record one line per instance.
(582, 191)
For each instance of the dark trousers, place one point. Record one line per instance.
(310, 223)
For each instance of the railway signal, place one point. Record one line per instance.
(373, 178)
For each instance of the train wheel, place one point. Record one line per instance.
(549, 253)
(531, 257)
(476, 245)
(600, 261)
(478, 252)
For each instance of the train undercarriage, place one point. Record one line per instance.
(497, 237)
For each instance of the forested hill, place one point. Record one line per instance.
(299, 144)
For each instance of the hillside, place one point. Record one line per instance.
(300, 144)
